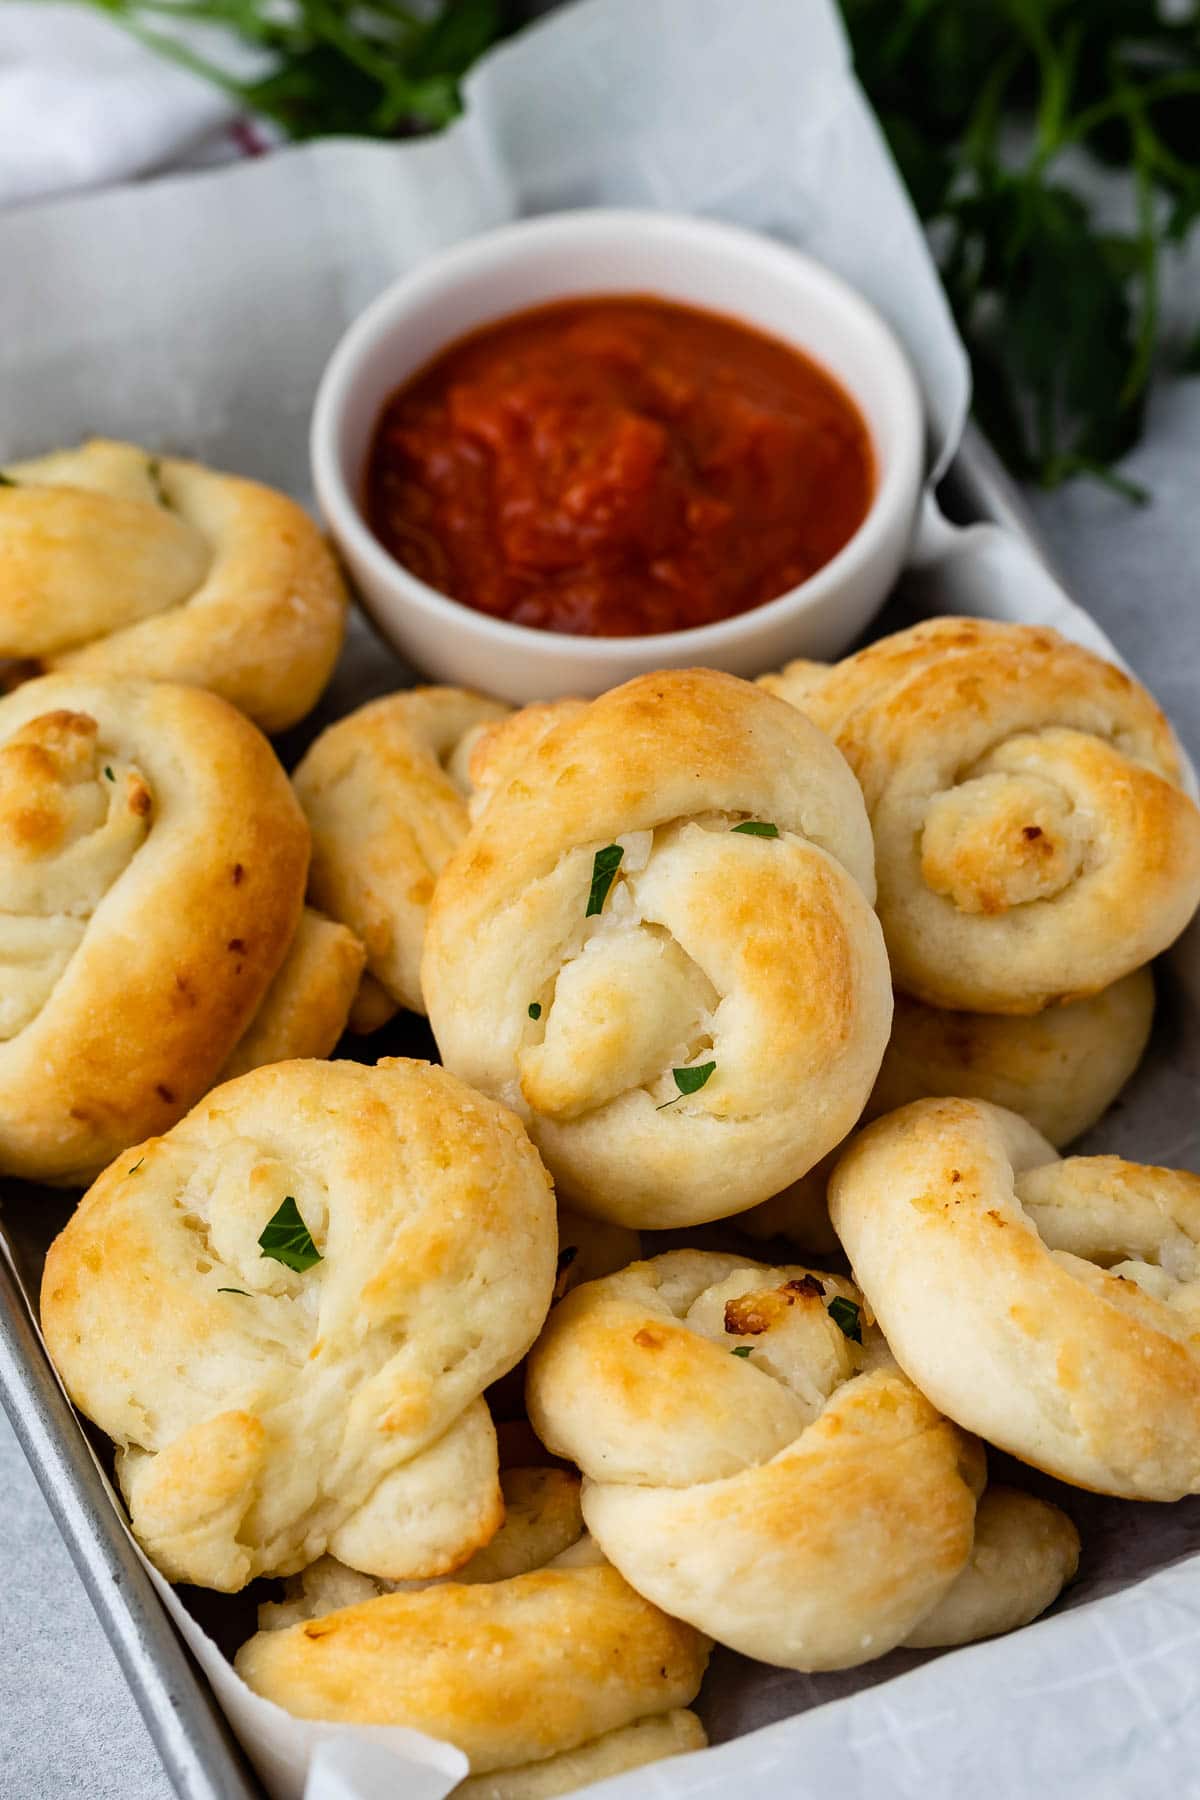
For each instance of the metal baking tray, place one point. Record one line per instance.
(198, 1750)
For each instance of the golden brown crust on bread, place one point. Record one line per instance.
(266, 1415)
(748, 1465)
(305, 1009)
(380, 794)
(152, 865)
(122, 565)
(757, 954)
(542, 1519)
(1060, 1068)
(1050, 1305)
(510, 1671)
(1033, 842)
(498, 748)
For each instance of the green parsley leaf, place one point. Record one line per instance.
(605, 864)
(535, 1011)
(7, 480)
(743, 1350)
(847, 1316)
(240, 1291)
(757, 828)
(689, 1081)
(108, 774)
(286, 1239)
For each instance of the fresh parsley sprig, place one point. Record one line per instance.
(983, 101)
(984, 104)
(373, 68)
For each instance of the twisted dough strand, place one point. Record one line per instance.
(756, 1463)
(536, 1658)
(114, 563)
(1052, 1306)
(1033, 841)
(266, 1413)
(384, 791)
(152, 864)
(754, 960)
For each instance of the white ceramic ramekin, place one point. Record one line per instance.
(693, 261)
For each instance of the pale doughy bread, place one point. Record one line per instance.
(587, 1248)
(264, 1416)
(1032, 839)
(384, 791)
(305, 1009)
(1051, 1306)
(630, 1747)
(798, 1500)
(496, 749)
(1060, 1068)
(796, 680)
(116, 563)
(1025, 1552)
(757, 954)
(514, 1671)
(152, 866)
(542, 1518)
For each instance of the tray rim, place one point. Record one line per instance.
(199, 1753)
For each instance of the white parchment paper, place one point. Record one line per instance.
(194, 315)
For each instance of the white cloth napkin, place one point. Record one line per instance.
(83, 104)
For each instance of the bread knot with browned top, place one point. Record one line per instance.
(536, 1658)
(756, 1463)
(152, 865)
(114, 562)
(385, 794)
(656, 943)
(285, 1313)
(1033, 840)
(1053, 1306)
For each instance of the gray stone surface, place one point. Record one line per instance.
(69, 1729)
(68, 1726)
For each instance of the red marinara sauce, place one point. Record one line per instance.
(618, 466)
